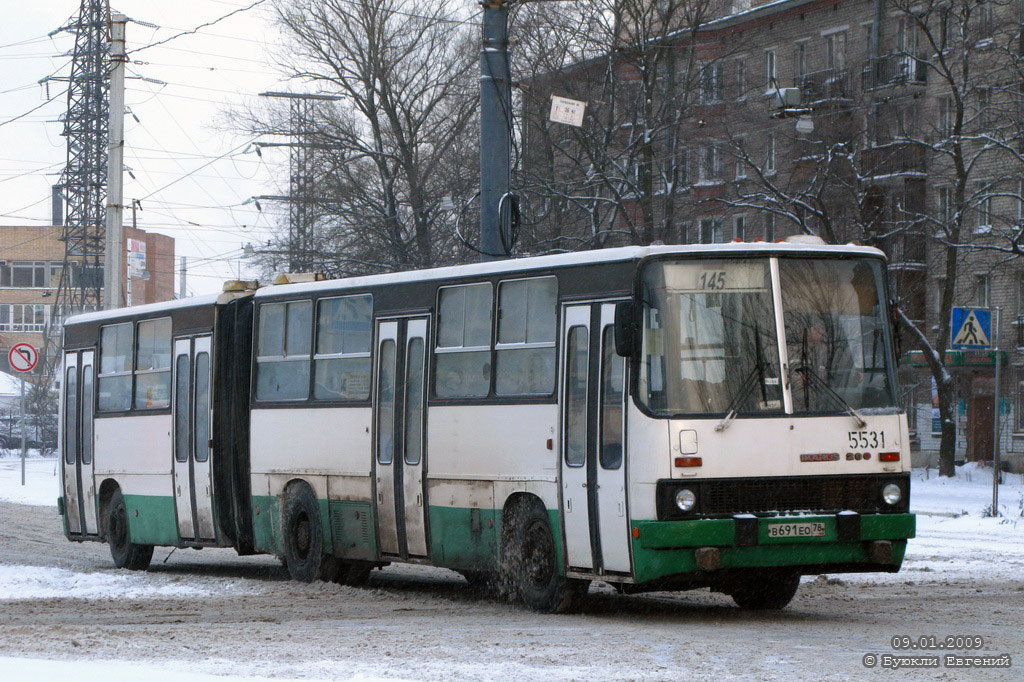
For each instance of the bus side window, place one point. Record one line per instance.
(115, 376)
(527, 313)
(343, 335)
(153, 364)
(463, 353)
(283, 350)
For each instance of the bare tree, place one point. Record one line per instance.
(398, 139)
(616, 179)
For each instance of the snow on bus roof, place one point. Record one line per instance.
(563, 259)
(620, 254)
(193, 302)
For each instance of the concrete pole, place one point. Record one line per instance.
(113, 265)
(182, 275)
(995, 427)
(495, 126)
(24, 450)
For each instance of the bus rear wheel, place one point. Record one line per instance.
(124, 552)
(766, 593)
(302, 535)
(533, 564)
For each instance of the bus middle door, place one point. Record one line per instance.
(193, 488)
(77, 426)
(400, 436)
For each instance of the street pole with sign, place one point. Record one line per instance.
(995, 424)
(23, 358)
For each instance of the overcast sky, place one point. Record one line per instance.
(191, 173)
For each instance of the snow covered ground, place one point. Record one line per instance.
(959, 552)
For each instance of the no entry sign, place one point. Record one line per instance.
(23, 357)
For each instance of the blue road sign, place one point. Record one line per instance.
(971, 329)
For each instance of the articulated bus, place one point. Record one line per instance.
(658, 418)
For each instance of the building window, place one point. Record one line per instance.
(769, 227)
(741, 163)
(525, 357)
(29, 274)
(947, 115)
(769, 154)
(711, 83)
(982, 290)
(682, 169)
(24, 317)
(943, 200)
(344, 329)
(463, 353)
(711, 231)
(984, 208)
(835, 51)
(283, 345)
(800, 60)
(711, 164)
(741, 78)
(739, 227)
(153, 364)
(1019, 412)
(984, 108)
(770, 72)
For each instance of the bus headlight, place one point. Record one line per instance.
(891, 493)
(686, 500)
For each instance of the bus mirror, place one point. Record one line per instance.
(625, 329)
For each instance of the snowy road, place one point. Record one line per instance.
(213, 613)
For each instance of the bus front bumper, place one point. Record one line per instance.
(845, 542)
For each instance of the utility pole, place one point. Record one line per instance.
(995, 421)
(182, 272)
(495, 127)
(113, 264)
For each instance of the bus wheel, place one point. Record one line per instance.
(534, 564)
(125, 553)
(303, 534)
(766, 593)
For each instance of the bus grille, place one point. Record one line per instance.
(728, 496)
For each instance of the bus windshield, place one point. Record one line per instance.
(710, 344)
(835, 334)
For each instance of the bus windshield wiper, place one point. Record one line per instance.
(812, 375)
(754, 378)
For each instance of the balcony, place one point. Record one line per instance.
(894, 160)
(1019, 324)
(906, 250)
(895, 69)
(824, 86)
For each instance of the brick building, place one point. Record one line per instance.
(896, 124)
(31, 259)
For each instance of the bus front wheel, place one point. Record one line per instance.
(766, 593)
(302, 535)
(533, 564)
(124, 552)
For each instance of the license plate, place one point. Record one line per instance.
(796, 530)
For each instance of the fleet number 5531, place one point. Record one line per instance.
(866, 439)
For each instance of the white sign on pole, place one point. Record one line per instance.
(567, 111)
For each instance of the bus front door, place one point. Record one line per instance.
(593, 482)
(400, 436)
(193, 488)
(79, 484)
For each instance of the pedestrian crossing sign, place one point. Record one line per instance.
(971, 329)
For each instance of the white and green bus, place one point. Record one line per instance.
(658, 418)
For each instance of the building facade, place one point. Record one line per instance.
(890, 123)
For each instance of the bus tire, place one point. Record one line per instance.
(766, 593)
(124, 552)
(302, 534)
(533, 564)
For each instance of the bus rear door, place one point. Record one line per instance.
(79, 484)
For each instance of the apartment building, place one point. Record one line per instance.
(896, 124)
